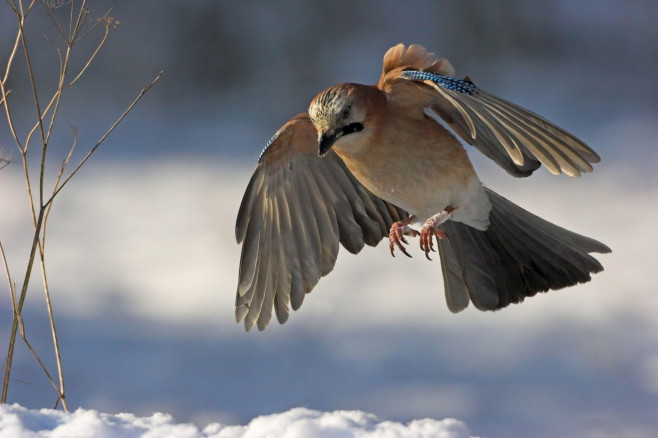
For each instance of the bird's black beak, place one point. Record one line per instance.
(326, 141)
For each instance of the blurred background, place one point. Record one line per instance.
(141, 250)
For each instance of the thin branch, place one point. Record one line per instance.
(5, 92)
(13, 6)
(102, 20)
(58, 97)
(50, 12)
(10, 60)
(57, 180)
(70, 17)
(12, 286)
(59, 176)
(55, 96)
(51, 317)
(83, 13)
(18, 308)
(93, 55)
(109, 131)
(10, 120)
(44, 145)
(12, 291)
(58, 50)
(78, 19)
(59, 392)
(28, 185)
(53, 99)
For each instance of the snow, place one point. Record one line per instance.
(19, 422)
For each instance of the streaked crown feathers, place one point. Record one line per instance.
(328, 104)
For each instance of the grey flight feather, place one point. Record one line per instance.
(296, 210)
(519, 255)
(515, 138)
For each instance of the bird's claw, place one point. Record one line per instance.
(431, 229)
(426, 241)
(396, 235)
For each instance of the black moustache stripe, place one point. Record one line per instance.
(352, 127)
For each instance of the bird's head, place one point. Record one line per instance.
(339, 115)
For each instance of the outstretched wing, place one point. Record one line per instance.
(295, 211)
(515, 138)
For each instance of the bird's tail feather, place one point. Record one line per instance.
(519, 255)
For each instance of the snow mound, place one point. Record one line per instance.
(19, 422)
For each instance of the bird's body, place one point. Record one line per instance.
(386, 160)
(409, 170)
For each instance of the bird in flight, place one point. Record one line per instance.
(373, 161)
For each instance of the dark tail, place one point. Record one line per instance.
(519, 255)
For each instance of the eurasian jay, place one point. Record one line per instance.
(368, 162)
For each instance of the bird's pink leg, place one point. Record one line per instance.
(431, 229)
(398, 231)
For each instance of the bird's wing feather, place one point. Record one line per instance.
(519, 255)
(514, 137)
(295, 211)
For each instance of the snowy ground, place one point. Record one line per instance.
(19, 422)
(143, 262)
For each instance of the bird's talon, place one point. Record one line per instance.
(396, 235)
(404, 251)
(431, 229)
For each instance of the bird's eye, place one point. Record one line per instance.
(346, 113)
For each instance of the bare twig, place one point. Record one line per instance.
(40, 209)
(35, 95)
(5, 92)
(51, 317)
(93, 55)
(12, 291)
(61, 173)
(12, 286)
(49, 9)
(18, 308)
(59, 390)
(109, 131)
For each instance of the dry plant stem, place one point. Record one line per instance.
(36, 241)
(64, 64)
(18, 307)
(75, 33)
(12, 289)
(35, 95)
(39, 231)
(5, 92)
(12, 286)
(107, 133)
(61, 392)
